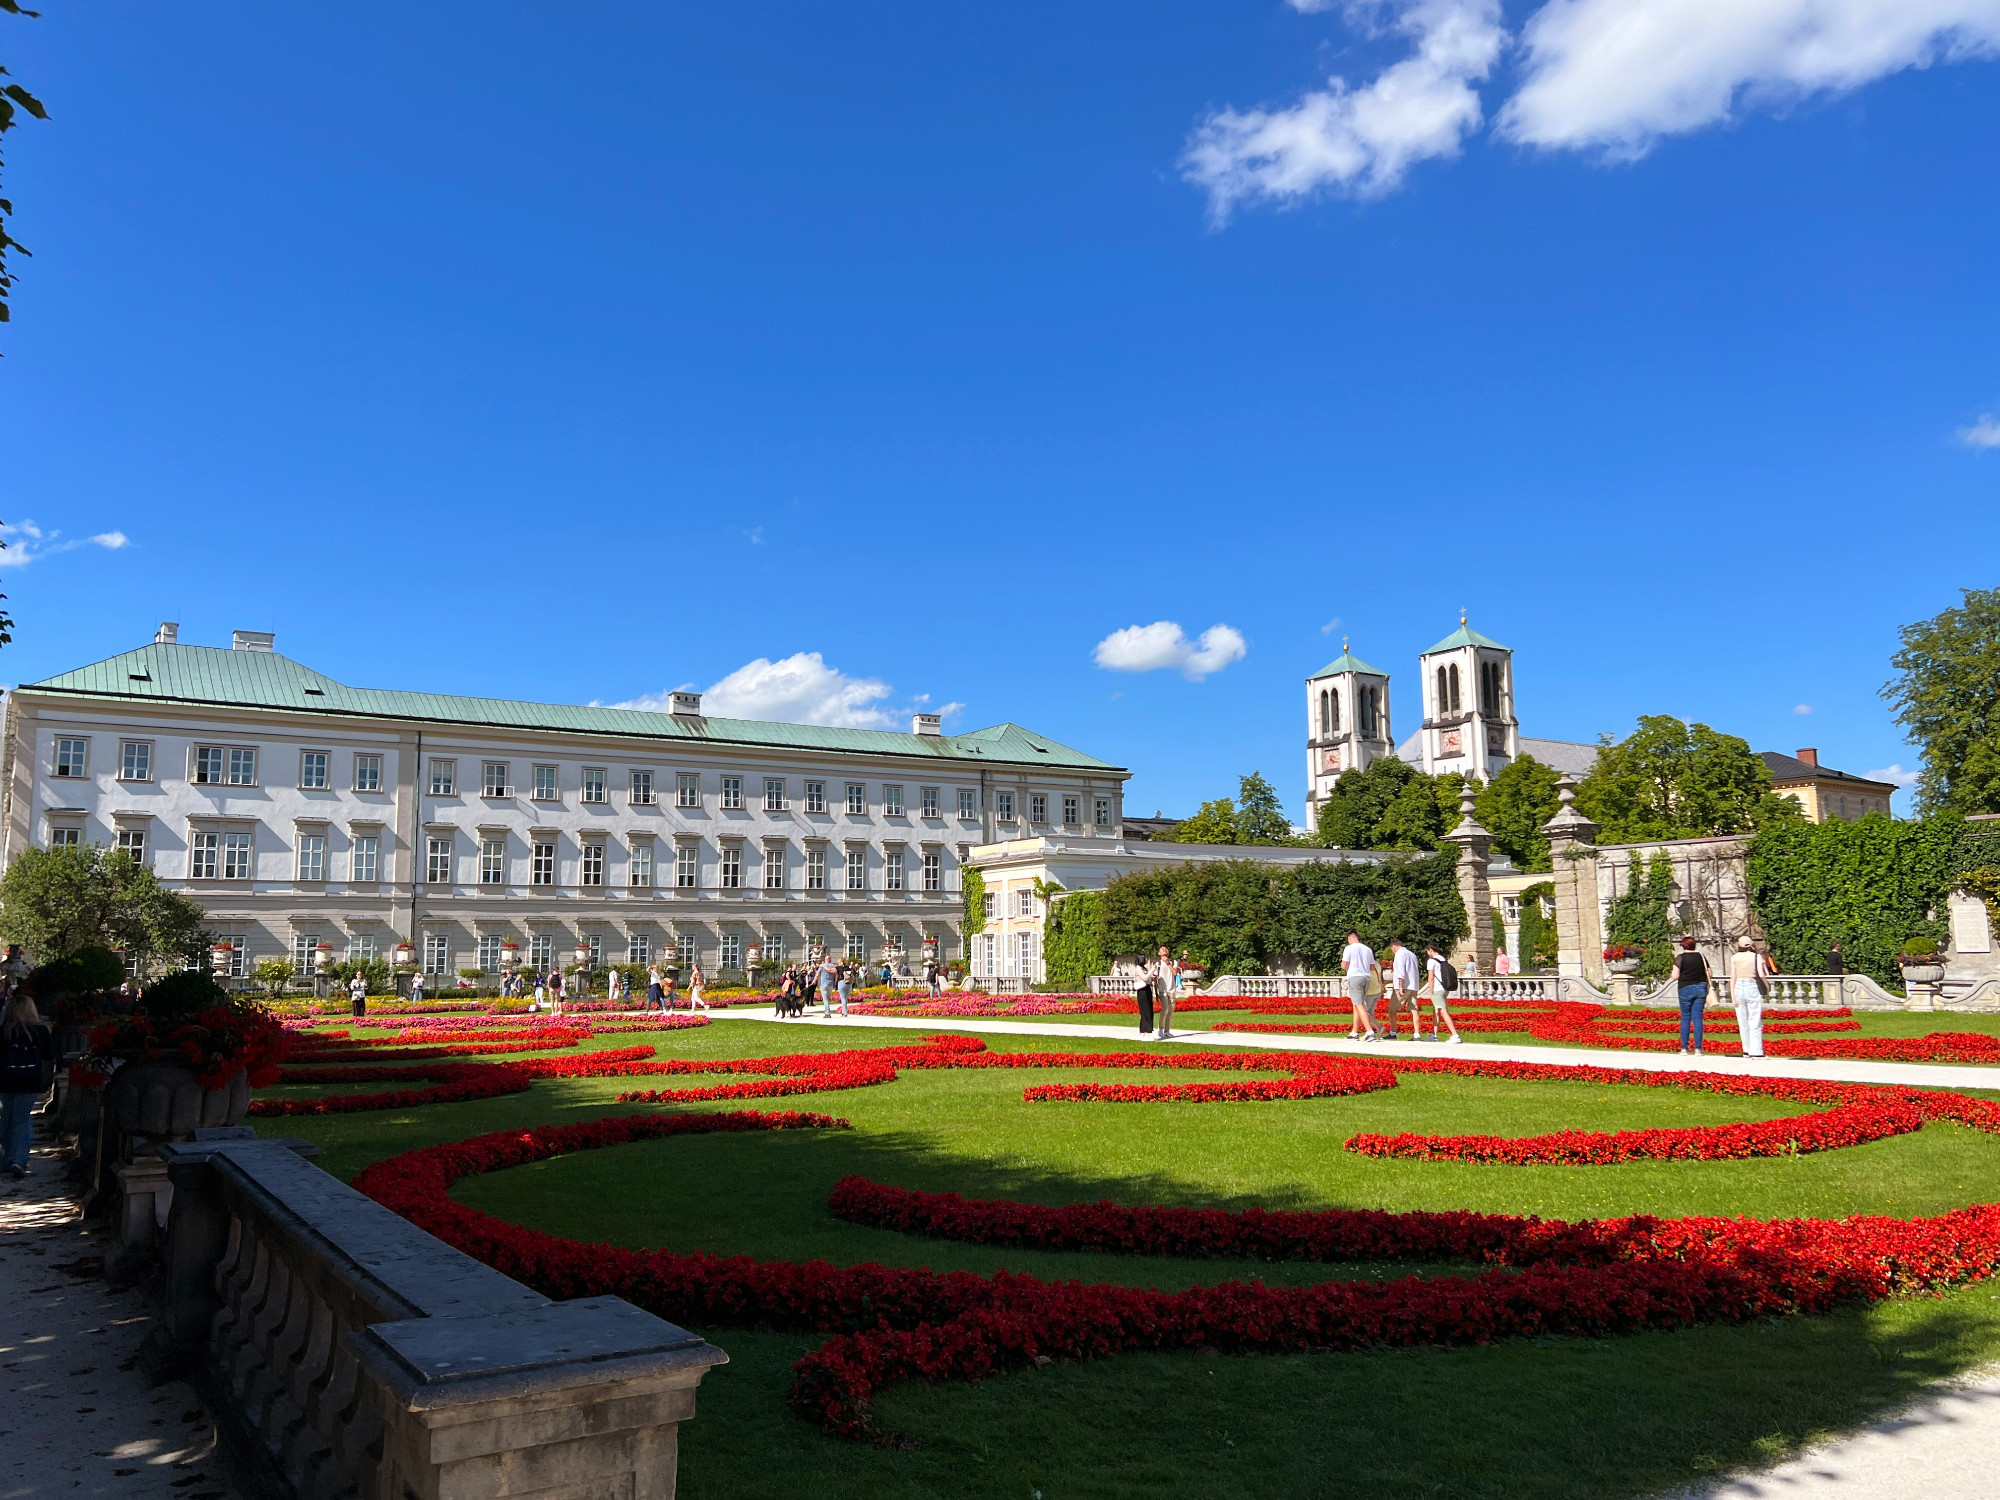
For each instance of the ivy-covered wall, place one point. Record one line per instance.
(1073, 941)
(1869, 885)
(1538, 933)
(975, 907)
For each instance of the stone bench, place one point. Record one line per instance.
(350, 1354)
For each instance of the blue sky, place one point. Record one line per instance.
(580, 354)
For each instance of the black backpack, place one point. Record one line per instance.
(1447, 975)
(23, 1068)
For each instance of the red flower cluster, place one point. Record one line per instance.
(216, 1041)
(451, 1083)
(1316, 1083)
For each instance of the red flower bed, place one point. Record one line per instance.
(1319, 1083)
(893, 1324)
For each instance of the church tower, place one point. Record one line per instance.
(1469, 722)
(1347, 724)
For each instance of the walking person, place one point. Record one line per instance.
(614, 986)
(27, 1068)
(656, 989)
(357, 994)
(1690, 975)
(1404, 977)
(1444, 980)
(556, 990)
(417, 988)
(829, 978)
(1749, 982)
(934, 977)
(696, 983)
(1357, 960)
(1166, 976)
(1142, 996)
(844, 984)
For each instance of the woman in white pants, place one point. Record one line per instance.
(1746, 984)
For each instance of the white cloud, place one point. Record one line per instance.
(1983, 434)
(800, 689)
(1617, 75)
(1896, 774)
(27, 542)
(1149, 648)
(1803, 708)
(1330, 626)
(1359, 140)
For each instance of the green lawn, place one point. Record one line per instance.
(1568, 1417)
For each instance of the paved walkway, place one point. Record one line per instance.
(77, 1419)
(1838, 1070)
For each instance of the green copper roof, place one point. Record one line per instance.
(1347, 663)
(264, 679)
(1465, 635)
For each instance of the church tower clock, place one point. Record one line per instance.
(1347, 724)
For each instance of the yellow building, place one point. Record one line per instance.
(1826, 795)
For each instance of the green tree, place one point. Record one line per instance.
(1073, 940)
(57, 901)
(1947, 697)
(974, 884)
(1538, 932)
(1213, 823)
(1220, 911)
(1642, 917)
(13, 100)
(1673, 780)
(275, 974)
(1412, 897)
(1513, 808)
(1260, 816)
(1868, 885)
(1416, 819)
(1353, 811)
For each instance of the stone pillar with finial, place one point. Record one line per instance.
(1579, 920)
(1474, 844)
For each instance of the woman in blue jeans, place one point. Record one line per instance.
(1691, 981)
(27, 1067)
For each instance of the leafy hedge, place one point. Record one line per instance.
(1869, 885)
(974, 885)
(1073, 941)
(1240, 916)
(1539, 941)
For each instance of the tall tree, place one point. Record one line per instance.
(1212, 823)
(55, 902)
(1673, 780)
(13, 100)
(1947, 697)
(1260, 817)
(1521, 798)
(1354, 809)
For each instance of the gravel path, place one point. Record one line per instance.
(77, 1417)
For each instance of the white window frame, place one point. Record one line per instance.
(135, 766)
(1024, 902)
(72, 760)
(686, 950)
(493, 778)
(968, 802)
(774, 794)
(729, 868)
(1072, 812)
(360, 948)
(489, 953)
(208, 765)
(638, 948)
(1101, 812)
(687, 789)
(929, 801)
(310, 858)
(315, 770)
(364, 857)
(1003, 807)
(730, 954)
(892, 799)
(596, 786)
(687, 867)
(65, 836)
(857, 799)
(204, 855)
(239, 856)
(816, 869)
(545, 784)
(856, 861)
(815, 796)
(438, 853)
(239, 951)
(443, 778)
(732, 794)
(437, 954)
(542, 863)
(639, 864)
(367, 773)
(892, 870)
(933, 872)
(133, 840)
(642, 789)
(857, 946)
(493, 862)
(775, 864)
(590, 863)
(541, 951)
(303, 946)
(242, 766)
(1038, 807)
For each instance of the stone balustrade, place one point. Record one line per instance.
(347, 1353)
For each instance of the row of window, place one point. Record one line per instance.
(1023, 903)
(440, 861)
(540, 955)
(236, 765)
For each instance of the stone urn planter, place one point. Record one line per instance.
(1623, 965)
(1927, 972)
(164, 1098)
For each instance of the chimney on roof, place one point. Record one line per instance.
(252, 640)
(168, 634)
(684, 705)
(931, 724)
(1810, 756)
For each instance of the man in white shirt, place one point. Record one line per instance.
(1441, 977)
(1358, 960)
(1166, 978)
(1403, 981)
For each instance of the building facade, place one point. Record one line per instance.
(300, 811)
(1347, 724)
(1824, 794)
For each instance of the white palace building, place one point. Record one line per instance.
(300, 812)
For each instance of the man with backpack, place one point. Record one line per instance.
(1444, 982)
